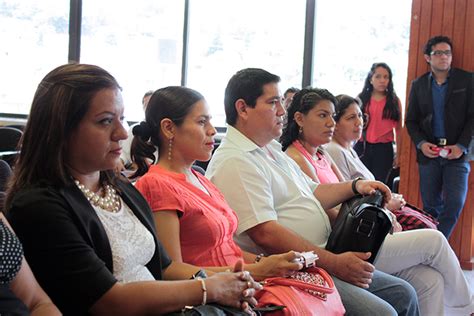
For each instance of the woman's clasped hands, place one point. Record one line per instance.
(236, 289)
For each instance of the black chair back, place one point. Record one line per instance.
(9, 139)
(5, 173)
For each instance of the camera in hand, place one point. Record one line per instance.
(440, 149)
(307, 259)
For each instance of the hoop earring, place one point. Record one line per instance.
(170, 148)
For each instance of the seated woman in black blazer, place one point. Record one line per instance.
(87, 233)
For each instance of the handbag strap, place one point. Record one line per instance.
(303, 285)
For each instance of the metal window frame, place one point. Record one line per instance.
(75, 23)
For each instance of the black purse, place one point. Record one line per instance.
(361, 225)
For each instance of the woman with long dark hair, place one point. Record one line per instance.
(382, 110)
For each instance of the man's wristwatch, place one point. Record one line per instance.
(353, 186)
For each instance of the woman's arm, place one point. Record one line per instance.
(167, 226)
(27, 289)
(249, 257)
(168, 231)
(161, 297)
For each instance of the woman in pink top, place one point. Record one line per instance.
(310, 125)
(381, 106)
(313, 125)
(193, 220)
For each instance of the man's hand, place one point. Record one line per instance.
(352, 267)
(367, 187)
(428, 150)
(455, 152)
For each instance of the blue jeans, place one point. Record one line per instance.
(387, 295)
(443, 187)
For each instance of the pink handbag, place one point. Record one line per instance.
(309, 292)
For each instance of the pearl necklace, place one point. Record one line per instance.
(110, 202)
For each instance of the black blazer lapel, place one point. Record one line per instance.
(429, 95)
(451, 83)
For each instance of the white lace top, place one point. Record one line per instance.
(132, 244)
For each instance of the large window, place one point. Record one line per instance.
(34, 39)
(139, 42)
(266, 34)
(351, 35)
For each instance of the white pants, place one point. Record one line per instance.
(424, 258)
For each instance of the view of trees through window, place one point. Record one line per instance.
(141, 44)
(266, 34)
(349, 40)
(34, 39)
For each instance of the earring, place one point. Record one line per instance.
(300, 130)
(170, 148)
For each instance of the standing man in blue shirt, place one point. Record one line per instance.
(440, 119)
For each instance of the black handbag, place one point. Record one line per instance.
(361, 225)
(209, 310)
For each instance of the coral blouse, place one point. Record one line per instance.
(207, 223)
(322, 165)
(379, 130)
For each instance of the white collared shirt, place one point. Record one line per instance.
(265, 185)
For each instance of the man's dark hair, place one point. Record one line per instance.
(436, 40)
(246, 84)
(290, 90)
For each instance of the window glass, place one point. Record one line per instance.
(139, 42)
(266, 34)
(35, 37)
(364, 32)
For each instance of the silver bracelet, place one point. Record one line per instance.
(204, 290)
(259, 257)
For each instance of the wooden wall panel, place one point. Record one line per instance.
(454, 18)
(448, 17)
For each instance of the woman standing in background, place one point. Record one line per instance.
(382, 108)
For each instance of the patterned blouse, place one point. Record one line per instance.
(11, 254)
